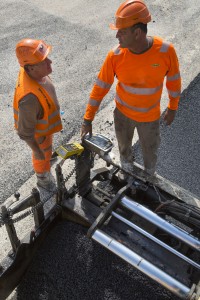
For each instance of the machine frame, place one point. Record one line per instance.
(148, 221)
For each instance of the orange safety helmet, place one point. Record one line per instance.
(30, 52)
(130, 13)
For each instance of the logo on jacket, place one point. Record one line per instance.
(155, 65)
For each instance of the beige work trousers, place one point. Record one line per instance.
(149, 138)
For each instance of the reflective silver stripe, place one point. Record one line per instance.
(140, 91)
(49, 128)
(140, 109)
(174, 77)
(55, 113)
(93, 102)
(117, 50)
(164, 47)
(103, 84)
(42, 122)
(174, 94)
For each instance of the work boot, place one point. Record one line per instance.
(44, 181)
(123, 176)
(150, 172)
(150, 176)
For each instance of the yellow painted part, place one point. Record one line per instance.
(69, 150)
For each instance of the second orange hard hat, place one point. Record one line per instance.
(30, 52)
(130, 13)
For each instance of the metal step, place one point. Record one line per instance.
(141, 264)
(147, 214)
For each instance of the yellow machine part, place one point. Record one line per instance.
(69, 150)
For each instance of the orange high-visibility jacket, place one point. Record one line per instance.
(51, 121)
(140, 81)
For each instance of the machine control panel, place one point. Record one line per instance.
(98, 143)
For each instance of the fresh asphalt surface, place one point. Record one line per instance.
(69, 266)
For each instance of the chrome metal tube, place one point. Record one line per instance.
(156, 240)
(141, 264)
(158, 221)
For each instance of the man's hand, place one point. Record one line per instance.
(39, 154)
(169, 116)
(86, 128)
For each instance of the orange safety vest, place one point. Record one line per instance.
(51, 121)
(140, 81)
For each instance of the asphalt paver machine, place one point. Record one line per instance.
(148, 221)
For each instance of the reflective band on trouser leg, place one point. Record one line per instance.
(41, 166)
(149, 137)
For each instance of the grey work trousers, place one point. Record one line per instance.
(149, 138)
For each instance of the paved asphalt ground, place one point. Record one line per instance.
(69, 266)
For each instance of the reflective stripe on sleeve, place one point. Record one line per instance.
(140, 91)
(117, 51)
(174, 77)
(174, 94)
(103, 84)
(139, 109)
(93, 102)
(164, 48)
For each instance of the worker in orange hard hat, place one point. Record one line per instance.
(140, 63)
(36, 107)
(130, 13)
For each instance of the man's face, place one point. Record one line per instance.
(126, 37)
(41, 69)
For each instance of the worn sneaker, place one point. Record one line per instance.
(151, 177)
(44, 181)
(122, 176)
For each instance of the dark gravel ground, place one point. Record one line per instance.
(83, 270)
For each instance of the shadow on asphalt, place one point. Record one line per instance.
(179, 153)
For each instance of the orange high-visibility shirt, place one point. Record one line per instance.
(140, 81)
